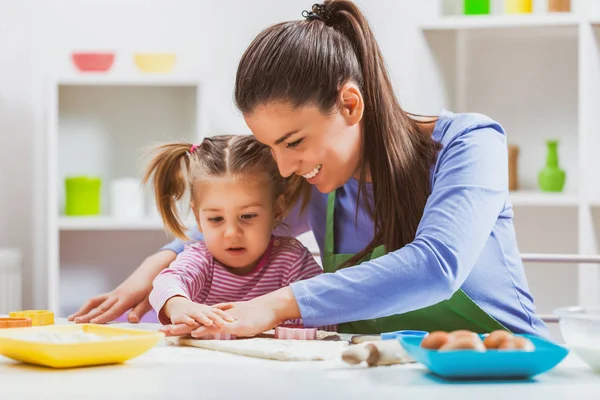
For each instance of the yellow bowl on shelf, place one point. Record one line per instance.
(518, 6)
(161, 63)
(38, 317)
(61, 346)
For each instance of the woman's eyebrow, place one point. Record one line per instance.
(284, 137)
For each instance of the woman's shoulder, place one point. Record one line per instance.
(451, 125)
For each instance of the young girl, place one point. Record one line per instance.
(237, 198)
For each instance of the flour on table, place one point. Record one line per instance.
(273, 349)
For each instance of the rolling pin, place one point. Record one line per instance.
(358, 339)
(380, 352)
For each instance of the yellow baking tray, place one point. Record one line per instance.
(116, 345)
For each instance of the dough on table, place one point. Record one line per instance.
(328, 346)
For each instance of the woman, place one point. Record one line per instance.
(412, 214)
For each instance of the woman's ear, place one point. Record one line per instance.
(353, 106)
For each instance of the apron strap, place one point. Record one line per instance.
(329, 241)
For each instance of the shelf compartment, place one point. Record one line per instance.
(96, 262)
(107, 223)
(535, 99)
(460, 22)
(107, 131)
(535, 198)
(549, 230)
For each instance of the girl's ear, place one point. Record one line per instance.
(196, 217)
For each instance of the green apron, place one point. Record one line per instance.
(458, 312)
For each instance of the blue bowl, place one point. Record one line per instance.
(395, 335)
(489, 364)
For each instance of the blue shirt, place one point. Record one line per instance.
(465, 240)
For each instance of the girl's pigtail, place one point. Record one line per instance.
(169, 170)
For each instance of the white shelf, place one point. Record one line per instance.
(539, 76)
(101, 125)
(533, 198)
(500, 21)
(102, 223)
(107, 223)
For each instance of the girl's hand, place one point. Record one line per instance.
(187, 316)
(255, 316)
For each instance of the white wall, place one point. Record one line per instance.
(36, 37)
(17, 123)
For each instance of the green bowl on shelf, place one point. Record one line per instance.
(82, 195)
(477, 7)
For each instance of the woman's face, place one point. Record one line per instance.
(323, 148)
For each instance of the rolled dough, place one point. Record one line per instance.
(326, 347)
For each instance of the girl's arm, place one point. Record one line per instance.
(185, 277)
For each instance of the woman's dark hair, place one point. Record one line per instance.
(306, 62)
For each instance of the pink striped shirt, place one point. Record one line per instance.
(196, 275)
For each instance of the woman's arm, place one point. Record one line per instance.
(468, 194)
(177, 245)
(133, 293)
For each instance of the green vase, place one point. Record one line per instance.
(552, 177)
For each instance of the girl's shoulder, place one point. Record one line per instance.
(288, 246)
(196, 250)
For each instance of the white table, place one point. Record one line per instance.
(170, 372)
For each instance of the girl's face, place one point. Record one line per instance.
(323, 148)
(237, 218)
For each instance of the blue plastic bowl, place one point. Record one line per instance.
(489, 364)
(395, 335)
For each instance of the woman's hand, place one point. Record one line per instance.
(189, 316)
(255, 316)
(109, 306)
(132, 294)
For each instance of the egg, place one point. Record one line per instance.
(464, 342)
(495, 339)
(435, 340)
(462, 332)
(517, 343)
